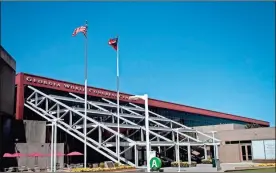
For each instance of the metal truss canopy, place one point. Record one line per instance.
(101, 117)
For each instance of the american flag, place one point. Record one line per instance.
(113, 42)
(82, 29)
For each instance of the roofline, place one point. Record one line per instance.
(152, 102)
(7, 58)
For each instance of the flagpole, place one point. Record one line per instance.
(85, 96)
(118, 103)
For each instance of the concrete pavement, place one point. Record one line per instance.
(191, 169)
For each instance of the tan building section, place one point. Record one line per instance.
(221, 127)
(236, 140)
(232, 156)
(247, 134)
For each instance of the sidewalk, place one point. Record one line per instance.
(209, 168)
(191, 169)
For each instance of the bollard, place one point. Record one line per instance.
(213, 163)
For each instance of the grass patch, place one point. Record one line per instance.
(261, 170)
(257, 170)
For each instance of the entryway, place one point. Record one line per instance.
(246, 152)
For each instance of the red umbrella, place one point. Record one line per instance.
(74, 153)
(8, 155)
(18, 154)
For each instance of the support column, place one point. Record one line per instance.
(136, 155)
(173, 137)
(142, 135)
(176, 153)
(149, 150)
(70, 118)
(100, 135)
(159, 148)
(217, 154)
(19, 96)
(189, 154)
(205, 152)
(55, 147)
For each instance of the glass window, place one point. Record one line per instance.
(235, 142)
(249, 152)
(191, 119)
(245, 142)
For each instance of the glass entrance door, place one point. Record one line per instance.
(246, 152)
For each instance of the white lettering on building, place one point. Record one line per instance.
(43, 82)
(74, 87)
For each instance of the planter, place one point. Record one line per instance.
(206, 161)
(124, 169)
(184, 164)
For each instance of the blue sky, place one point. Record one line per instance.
(213, 55)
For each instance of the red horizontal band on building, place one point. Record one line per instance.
(38, 81)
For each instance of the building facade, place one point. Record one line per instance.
(243, 145)
(187, 115)
(7, 83)
(38, 96)
(7, 101)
